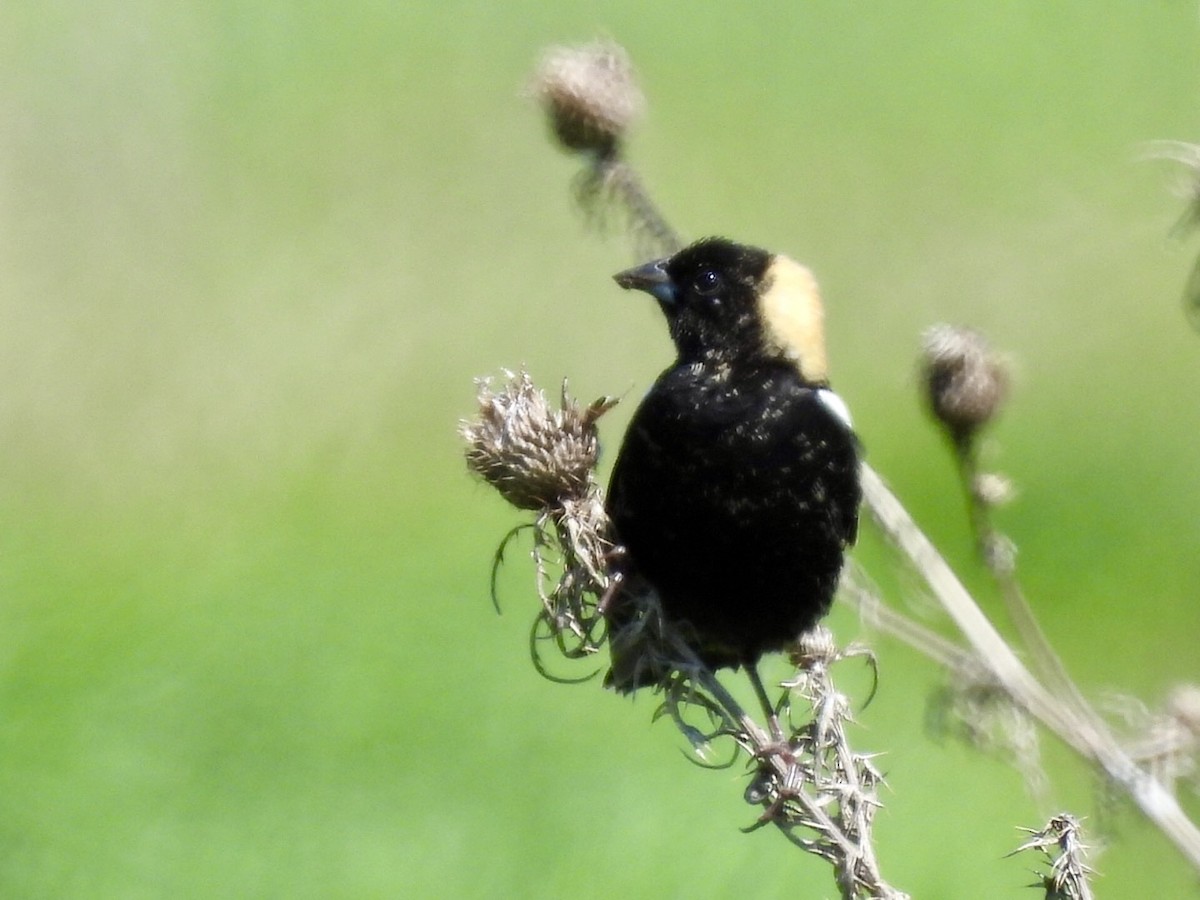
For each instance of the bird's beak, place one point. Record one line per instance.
(651, 278)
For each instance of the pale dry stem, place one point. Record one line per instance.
(1086, 734)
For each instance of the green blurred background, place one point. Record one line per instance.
(252, 255)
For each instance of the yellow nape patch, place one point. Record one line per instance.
(794, 318)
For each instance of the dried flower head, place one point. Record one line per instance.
(965, 381)
(534, 455)
(543, 459)
(590, 95)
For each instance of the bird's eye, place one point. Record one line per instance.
(707, 283)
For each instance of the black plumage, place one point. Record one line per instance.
(736, 489)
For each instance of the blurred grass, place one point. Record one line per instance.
(251, 257)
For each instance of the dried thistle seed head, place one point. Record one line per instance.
(589, 94)
(534, 455)
(966, 383)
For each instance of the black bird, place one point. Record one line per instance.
(736, 490)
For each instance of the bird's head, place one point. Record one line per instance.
(729, 302)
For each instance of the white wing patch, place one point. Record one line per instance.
(835, 405)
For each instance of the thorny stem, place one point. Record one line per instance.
(829, 731)
(1062, 847)
(813, 788)
(1086, 735)
(856, 868)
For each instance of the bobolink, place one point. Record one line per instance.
(736, 490)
